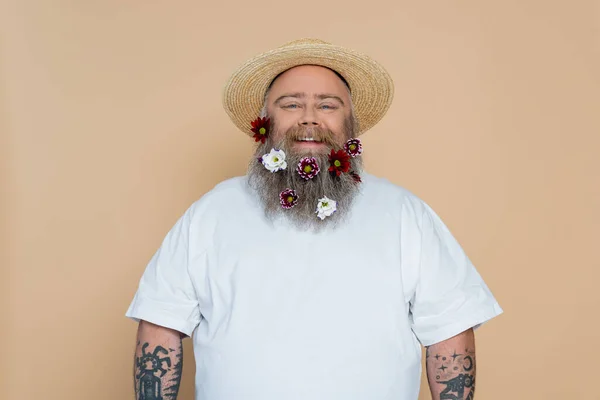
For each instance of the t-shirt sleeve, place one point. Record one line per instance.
(166, 294)
(450, 295)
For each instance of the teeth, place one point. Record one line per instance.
(307, 140)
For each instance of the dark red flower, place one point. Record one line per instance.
(355, 176)
(260, 127)
(353, 147)
(288, 198)
(339, 161)
(308, 168)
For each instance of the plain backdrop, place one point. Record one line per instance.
(112, 125)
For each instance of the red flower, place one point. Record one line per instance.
(288, 198)
(260, 127)
(339, 162)
(308, 168)
(355, 176)
(353, 147)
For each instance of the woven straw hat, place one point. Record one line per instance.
(371, 87)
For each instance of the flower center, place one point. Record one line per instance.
(262, 131)
(325, 204)
(275, 159)
(307, 168)
(352, 147)
(290, 199)
(337, 163)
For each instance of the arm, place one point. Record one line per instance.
(451, 368)
(158, 362)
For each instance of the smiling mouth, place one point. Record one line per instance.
(308, 140)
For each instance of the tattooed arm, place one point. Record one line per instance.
(158, 362)
(451, 368)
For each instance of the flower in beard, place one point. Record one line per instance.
(339, 161)
(308, 168)
(260, 127)
(274, 160)
(288, 198)
(355, 176)
(353, 147)
(325, 207)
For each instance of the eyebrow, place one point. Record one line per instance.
(300, 95)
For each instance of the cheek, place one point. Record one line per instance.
(279, 132)
(337, 126)
(281, 126)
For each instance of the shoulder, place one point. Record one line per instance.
(384, 193)
(224, 201)
(235, 184)
(221, 206)
(222, 196)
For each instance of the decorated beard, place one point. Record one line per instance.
(313, 188)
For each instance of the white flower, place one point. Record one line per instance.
(325, 207)
(274, 161)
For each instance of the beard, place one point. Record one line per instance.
(269, 185)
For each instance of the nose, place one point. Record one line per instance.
(308, 118)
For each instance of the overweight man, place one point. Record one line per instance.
(309, 278)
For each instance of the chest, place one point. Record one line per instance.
(283, 281)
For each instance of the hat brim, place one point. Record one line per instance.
(371, 87)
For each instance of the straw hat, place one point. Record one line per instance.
(371, 87)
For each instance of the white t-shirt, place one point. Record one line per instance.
(277, 313)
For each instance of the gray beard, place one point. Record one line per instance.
(269, 185)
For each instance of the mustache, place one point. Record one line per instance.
(315, 132)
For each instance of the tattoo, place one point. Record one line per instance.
(457, 385)
(456, 372)
(172, 388)
(151, 367)
(470, 363)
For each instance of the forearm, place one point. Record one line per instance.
(158, 363)
(451, 368)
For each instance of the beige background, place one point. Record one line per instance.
(111, 121)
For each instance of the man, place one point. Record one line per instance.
(309, 278)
